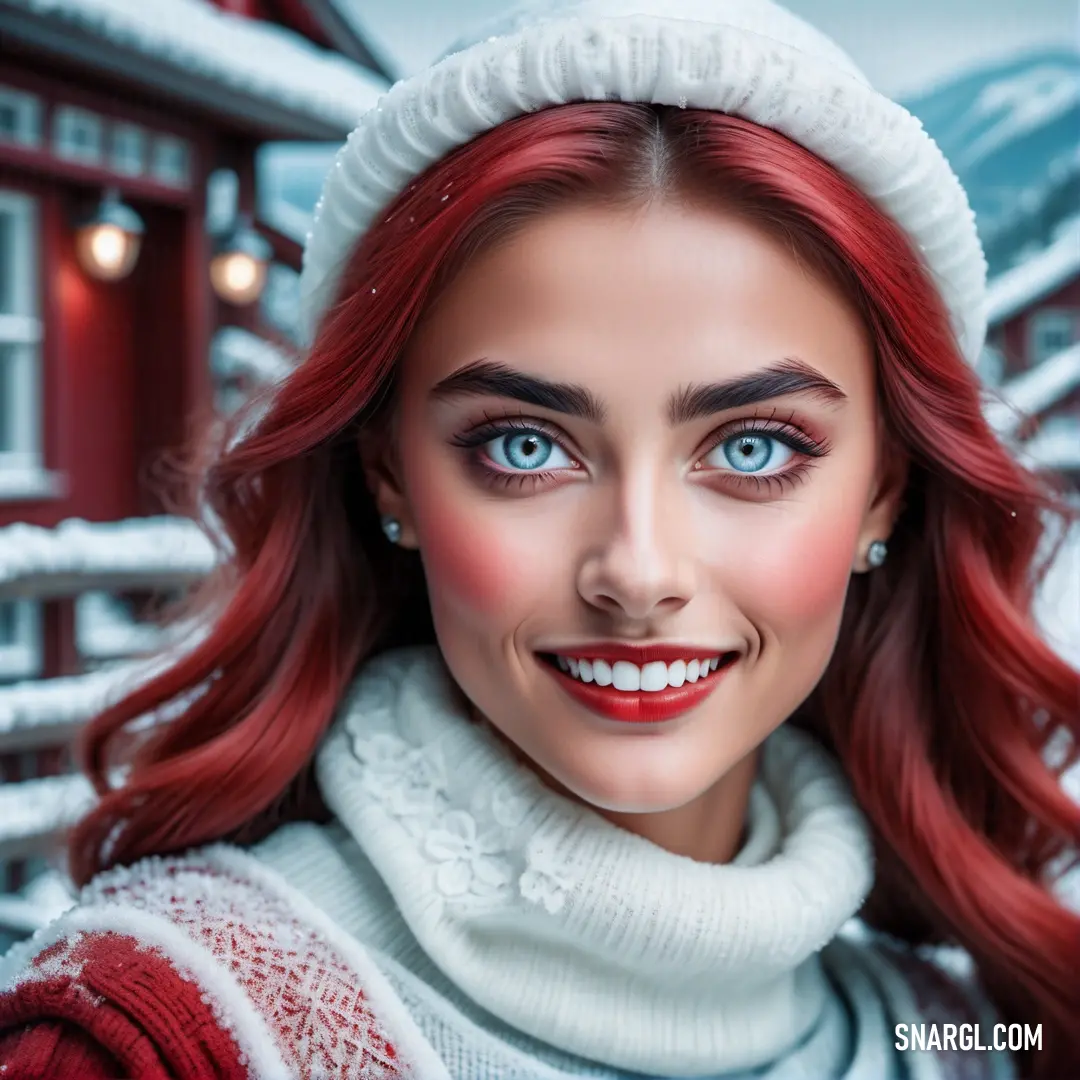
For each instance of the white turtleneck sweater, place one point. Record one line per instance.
(531, 939)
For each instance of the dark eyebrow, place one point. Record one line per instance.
(486, 377)
(791, 376)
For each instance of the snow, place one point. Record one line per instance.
(236, 353)
(1055, 446)
(44, 899)
(1024, 102)
(34, 810)
(78, 555)
(46, 712)
(1057, 606)
(1016, 289)
(242, 55)
(105, 629)
(1035, 390)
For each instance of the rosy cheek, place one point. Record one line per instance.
(800, 573)
(473, 564)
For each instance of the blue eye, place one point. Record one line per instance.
(751, 452)
(527, 451)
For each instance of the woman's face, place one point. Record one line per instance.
(629, 442)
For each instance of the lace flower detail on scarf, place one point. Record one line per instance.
(474, 852)
(544, 880)
(470, 861)
(408, 781)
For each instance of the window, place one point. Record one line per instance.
(20, 340)
(20, 117)
(78, 135)
(128, 154)
(20, 639)
(222, 197)
(1051, 331)
(170, 161)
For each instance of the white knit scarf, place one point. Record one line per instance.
(574, 930)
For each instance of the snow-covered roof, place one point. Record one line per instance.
(236, 351)
(247, 68)
(1035, 390)
(78, 555)
(1016, 289)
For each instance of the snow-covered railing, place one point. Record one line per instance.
(45, 898)
(238, 353)
(1055, 447)
(1017, 289)
(33, 812)
(155, 553)
(106, 630)
(48, 712)
(83, 561)
(1027, 395)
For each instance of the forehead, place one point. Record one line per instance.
(647, 298)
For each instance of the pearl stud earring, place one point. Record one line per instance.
(875, 554)
(391, 527)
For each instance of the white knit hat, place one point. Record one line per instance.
(748, 58)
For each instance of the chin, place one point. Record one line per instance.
(605, 792)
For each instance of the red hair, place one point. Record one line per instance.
(941, 701)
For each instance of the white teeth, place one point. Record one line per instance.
(625, 676)
(650, 678)
(654, 676)
(676, 673)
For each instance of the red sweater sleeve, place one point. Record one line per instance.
(105, 1007)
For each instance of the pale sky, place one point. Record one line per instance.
(904, 46)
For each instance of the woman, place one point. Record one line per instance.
(624, 589)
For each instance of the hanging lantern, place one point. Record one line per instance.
(107, 243)
(239, 264)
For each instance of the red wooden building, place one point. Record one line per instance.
(164, 103)
(1033, 354)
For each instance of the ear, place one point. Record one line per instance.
(885, 506)
(382, 474)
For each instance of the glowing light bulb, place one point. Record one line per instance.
(107, 244)
(238, 269)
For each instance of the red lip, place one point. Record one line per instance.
(642, 706)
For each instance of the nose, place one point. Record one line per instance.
(639, 567)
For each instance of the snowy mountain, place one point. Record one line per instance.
(1010, 131)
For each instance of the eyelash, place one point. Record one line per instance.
(784, 431)
(492, 428)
